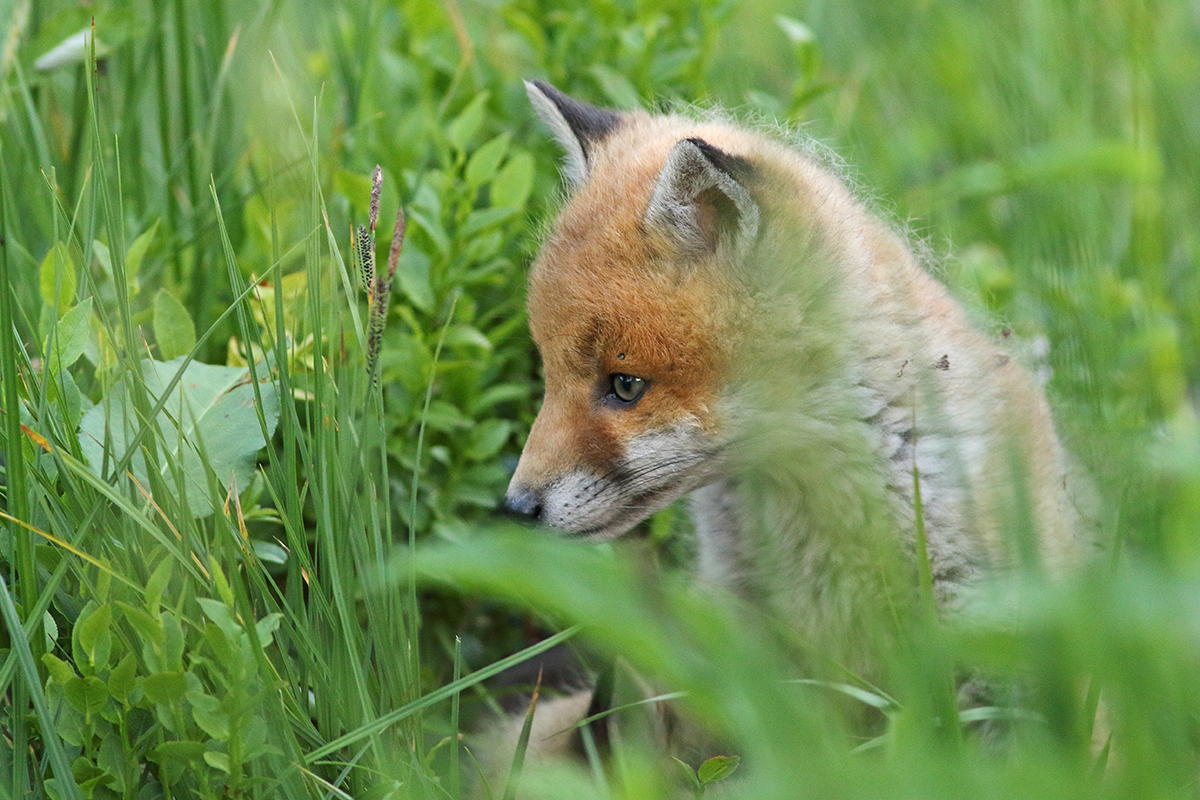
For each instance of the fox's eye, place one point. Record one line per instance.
(627, 388)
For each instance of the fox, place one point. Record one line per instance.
(720, 316)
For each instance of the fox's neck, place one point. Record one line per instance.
(720, 557)
(830, 585)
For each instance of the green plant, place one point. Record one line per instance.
(187, 191)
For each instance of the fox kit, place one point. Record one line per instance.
(719, 316)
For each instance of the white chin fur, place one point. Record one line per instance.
(657, 469)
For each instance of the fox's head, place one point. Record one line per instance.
(632, 305)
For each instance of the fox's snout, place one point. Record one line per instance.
(523, 501)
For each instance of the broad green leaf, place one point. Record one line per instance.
(66, 342)
(294, 287)
(94, 635)
(486, 217)
(158, 584)
(432, 226)
(487, 438)
(444, 416)
(112, 762)
(219, 643)
(104, 256)
(219, 613)
(269, 552)
(57, 278)
(164, 687)
(179, 755)
(717, 768)
(254, 739)
(217, 760)
(512, 184)
(209, 423)
(486, 160)
(123, 678)
(149, 632)
(209, 715)
(467, 336)
(498, 393)
(173, 641)
(464, 127)
(173, 327)
(70, 51)
(59, 670)
(266, 628)
(688, 773)
(50, 629)
(413, 274)
(86, 695)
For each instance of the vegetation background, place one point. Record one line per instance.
(185, 196)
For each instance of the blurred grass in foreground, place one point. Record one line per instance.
(279, 646)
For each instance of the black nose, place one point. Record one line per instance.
(525, 502)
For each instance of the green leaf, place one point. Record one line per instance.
(86, 695)
(269, 552)
(487, 438)
(135, 255)
(511, 186)
(444, 416)
(483, 164)
(57, 278)
(173, 641)
(209, 422)
(688, 772)
(717, 768)
(67, 340)
(50, 629)
(485, 218)
(499, 393)
(266, 628)
(182, 753)
(464, 127)
(123, 678)
(112, 761)
(164, 687)
(94, 635)
(433, 227)
(173, 327)
(219, 613)
(217, 760)
(413, 274)
(158, 584)
(60, 671)
(149, 628)
(467, 336)
(209, 715)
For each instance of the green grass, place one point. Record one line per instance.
(211, 170)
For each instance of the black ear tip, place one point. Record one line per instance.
(547, 90)
(736, 166)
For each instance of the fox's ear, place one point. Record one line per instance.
(579, 127)
(700, 199)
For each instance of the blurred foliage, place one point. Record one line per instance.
(194, 197)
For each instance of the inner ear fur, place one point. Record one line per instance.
(700, 199)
